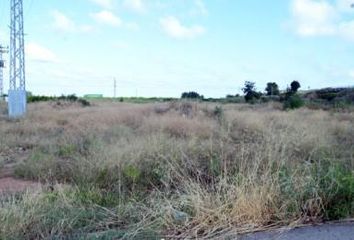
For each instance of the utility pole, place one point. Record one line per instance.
(2, 66)
(17, 92)
(115, 87)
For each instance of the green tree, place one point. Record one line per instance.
(292, 99)
(295, 85)
(272, 89)
(250, 91)
(192, 95)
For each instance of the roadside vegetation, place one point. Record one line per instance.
(58, 100)
(179, 169)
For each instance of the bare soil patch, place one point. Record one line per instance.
(9, 184)
(12, 185)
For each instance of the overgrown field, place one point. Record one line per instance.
(178, 170)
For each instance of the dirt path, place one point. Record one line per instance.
(331, 231)
(12, 185)
(9, 184)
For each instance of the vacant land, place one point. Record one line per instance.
(181, 169)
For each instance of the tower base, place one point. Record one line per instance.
(17, 101)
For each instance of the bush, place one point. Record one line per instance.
(69, 98)
(329, 96)
(335, 185)
(31, 98)
(293, 102)
(251, 97)
(84, 102)
(192, 95)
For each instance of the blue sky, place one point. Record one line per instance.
(165, 47)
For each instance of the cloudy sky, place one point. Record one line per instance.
(165, 47)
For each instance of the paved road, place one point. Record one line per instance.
(340, 231)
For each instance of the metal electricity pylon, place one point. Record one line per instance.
(17, 47)
(17, 93)
(2, 66)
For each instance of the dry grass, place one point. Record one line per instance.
(178, 169)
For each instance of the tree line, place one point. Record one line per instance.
(272, 89)
(290, 98)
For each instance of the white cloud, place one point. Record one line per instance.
(202, 9)
(103, 3)
(65, 24)
(37, 52)
(132, 26)
(345, 5)
(107, 17)
(322, 18)
(86, 28)
(313, 17)
(135, 5)
(173, 27)
(346, 30)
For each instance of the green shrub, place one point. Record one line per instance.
(69, 98)
(131, 173)
(336, 185)
(293, 102)
(31, 98)
(329, 96)
(327, 193)
(66, 150)
(191, 95)
(84, 102)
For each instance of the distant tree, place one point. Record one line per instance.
(232, 96)
(70, 98)
(294, 86)
(250, 92)
(249, 87)
(192, 95)
(292, 100)
(272, 89)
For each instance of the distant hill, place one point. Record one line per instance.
(331, 94)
